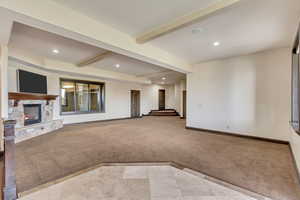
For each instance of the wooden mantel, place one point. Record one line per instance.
(30, 96)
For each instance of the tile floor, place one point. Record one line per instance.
(137, 183)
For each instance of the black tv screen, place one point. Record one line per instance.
(31, 82)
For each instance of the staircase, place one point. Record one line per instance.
(167, 112)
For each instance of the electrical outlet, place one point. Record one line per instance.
(228, 127)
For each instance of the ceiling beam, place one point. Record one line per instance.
(161, 73)
(50, 16)
(183, 21)
(97, 58)
(6, 27)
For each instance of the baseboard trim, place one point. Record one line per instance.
(239, 135)
(254, 138)
(295, 163)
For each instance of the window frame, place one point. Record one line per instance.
(295, 97)
(101, 99)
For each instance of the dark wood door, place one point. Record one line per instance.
(135, 103)
(184, 104)
(161, 99)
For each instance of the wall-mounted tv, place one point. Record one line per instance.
(31, 82)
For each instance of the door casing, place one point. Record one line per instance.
(135, 103)
(161, 99)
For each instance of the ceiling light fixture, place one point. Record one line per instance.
(56, 51)
(163, 78)
(216, 44)
(117, 65)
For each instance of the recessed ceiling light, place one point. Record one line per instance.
(216, 44)
(56, 51)
(163, 78)
(117, 65)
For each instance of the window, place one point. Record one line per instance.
(81, 97)
(295, 85)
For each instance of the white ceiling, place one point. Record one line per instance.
(127, 65)
(135, 16)
(41, 43)
(249, 26)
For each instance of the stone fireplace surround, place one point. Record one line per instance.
(48, 124)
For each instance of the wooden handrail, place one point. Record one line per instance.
(10, 188)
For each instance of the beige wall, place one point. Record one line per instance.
(3, 81)
(246, 95)
(295, 143)
(3, 91)
(180, 86)
(151, 97)
(117, 95)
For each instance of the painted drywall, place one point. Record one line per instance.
(180, 86)
(177, 90)
(117, 95)
(295, 144)
(3, 81)
(246, 95)
(150, 93)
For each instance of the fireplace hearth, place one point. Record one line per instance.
(32, 114)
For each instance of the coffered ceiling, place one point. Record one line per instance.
(247, 26)
(51, 46)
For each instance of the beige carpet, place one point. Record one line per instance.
(263, 167)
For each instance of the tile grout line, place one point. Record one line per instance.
(50, 183)
(171, 164)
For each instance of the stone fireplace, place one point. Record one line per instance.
(33, 114)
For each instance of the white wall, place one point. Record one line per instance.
(295, 143)
(245, 95)
(151, 97)
(117, 95)
(180, 86)
(3, 81)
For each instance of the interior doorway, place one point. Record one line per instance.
(161, 99)
(184, 104)
(135, 103)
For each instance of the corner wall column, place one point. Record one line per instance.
(4, 81)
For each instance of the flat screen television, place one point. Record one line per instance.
(31, 82)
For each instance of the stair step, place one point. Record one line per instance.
(168, 112)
